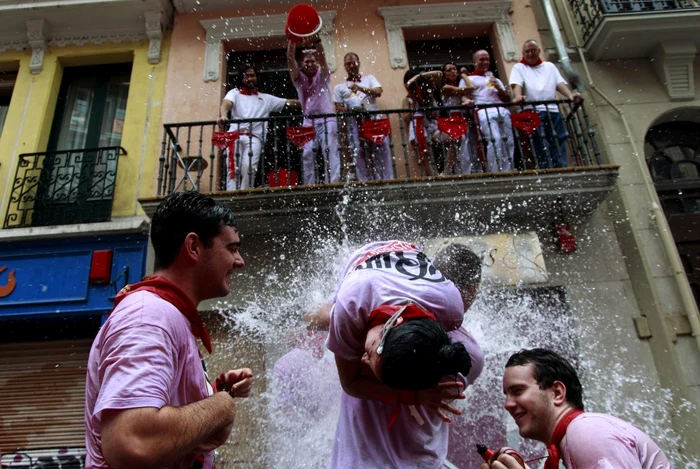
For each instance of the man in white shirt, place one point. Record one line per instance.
(494, 122)
(248, 103)
(360, 92)
(534, 80)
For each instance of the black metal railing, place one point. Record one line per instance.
(376, 145)
(63, 187)
(589, 13)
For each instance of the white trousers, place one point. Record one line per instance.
(326, 141)
(497, 133)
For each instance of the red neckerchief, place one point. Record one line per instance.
(249, 92)
(451, 83)
(552, 461)
(171, 293)
(380, 316)
(539, 62)
(356, 78)
(478, 72)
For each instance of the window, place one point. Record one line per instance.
(7, 84)
(432, 54)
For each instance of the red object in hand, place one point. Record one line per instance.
(490, 455)
(303, 21)
(565, 238)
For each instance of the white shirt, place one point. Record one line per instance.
(483, 94)
(341, 92)
(539, 83)
(252, 107)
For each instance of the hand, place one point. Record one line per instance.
(520, 99)
(468, 102)
(493, 81)
(220, 121)
(504, 461)
(576, 97)
(436, 398)
(354, 87)
(236, 382)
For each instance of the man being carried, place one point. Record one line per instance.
(313, 85)
(545, 397)
(248, 103)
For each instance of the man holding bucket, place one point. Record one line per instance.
(313, 84)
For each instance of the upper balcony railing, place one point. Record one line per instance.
(589, 13)
(402, 144)
(63, 187)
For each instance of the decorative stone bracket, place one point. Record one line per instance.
(244, 27)
(36, 35)
(154, 31)
(449, 14)
(673, 62)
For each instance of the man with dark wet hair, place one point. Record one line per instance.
(248, 103)
(545, 397)
(148, 400)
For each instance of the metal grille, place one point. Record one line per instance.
(62, 187)
(590, 13)
(42, 395)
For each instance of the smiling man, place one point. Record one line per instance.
(545, 397)
(148, 399)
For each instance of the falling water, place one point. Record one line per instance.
(298, 408)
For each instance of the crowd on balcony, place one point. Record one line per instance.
(452, 121)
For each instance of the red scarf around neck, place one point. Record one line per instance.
(478, 72)
(451, 83)
(248, 92)
(539, 62)
(355, 79)
(552, 461)
(171, 293)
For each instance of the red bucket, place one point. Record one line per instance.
(303, 22)
(285, 177)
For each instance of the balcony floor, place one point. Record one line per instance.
(477, 203)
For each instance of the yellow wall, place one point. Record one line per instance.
(33, 103)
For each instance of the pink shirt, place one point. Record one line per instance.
(315, 93)
(144, 356)
(385, 273)
(599, 441)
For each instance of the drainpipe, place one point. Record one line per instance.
(655, 213)
(569, 72)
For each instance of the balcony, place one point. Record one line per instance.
(628, 29)
(450, 181)
(63, 187)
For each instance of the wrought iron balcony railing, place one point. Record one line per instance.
(378, 145)
(63, 187)
(589, 13)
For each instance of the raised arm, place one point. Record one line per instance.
(432, 78)
(292, 61)
(321, 55)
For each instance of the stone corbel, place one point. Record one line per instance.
(37, 41)
(154, 31)
(507, 41)
(673, 62)
(397, 47)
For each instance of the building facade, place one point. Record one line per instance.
(82, 86)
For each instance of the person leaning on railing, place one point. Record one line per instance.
(452, 128)
(535, 80)
(359, 93)
(494, 125)
(248, 103)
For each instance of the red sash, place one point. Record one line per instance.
(375, 130)
(526, 121)
(300, 135)
(454, 126)
(421, 141)
(228, 140)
